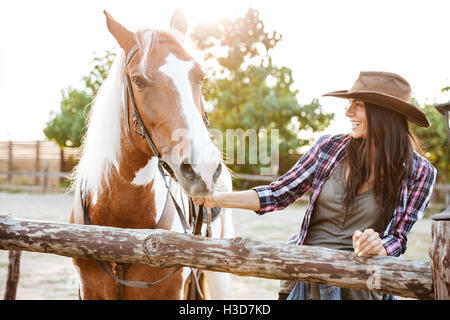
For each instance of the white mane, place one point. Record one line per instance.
(101, 145)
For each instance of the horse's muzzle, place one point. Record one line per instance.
(196, 185)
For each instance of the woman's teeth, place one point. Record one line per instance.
(355, 124)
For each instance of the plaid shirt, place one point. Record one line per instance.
(311, 171)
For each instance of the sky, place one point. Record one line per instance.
(46, 46)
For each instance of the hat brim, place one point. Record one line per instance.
(412, 113)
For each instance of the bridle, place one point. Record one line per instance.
(138, 125)
(196, 218)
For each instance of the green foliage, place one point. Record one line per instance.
(67, 127)
(434, 140)
(250, 92)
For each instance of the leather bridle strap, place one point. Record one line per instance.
(181, 215)
(139, 127)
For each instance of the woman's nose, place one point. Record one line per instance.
(349, 112)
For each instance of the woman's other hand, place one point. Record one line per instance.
(367, 242)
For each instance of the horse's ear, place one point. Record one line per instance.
(179, 22)
(124, 37)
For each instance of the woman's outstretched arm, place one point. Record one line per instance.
(279, 194)
(247, 199)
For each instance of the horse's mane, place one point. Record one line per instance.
(101, 147)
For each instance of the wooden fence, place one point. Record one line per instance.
(35, 162)
(243, 257)
(41, 160)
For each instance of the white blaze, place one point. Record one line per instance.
(205, 154)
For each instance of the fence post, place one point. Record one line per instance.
(13, 275)
(45, 184)
(61, 164)
(10, 160)
(37, 166)
(440, 254)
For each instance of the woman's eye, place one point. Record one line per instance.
(139, 82)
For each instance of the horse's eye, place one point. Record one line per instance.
(140, 82)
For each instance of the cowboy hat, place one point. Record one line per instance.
(385, 89)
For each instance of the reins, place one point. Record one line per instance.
(197, 219)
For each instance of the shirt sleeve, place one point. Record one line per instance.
(293, 184)
(412, 208)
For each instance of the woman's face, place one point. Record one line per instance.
(356, 112)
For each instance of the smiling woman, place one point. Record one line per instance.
(367, 188)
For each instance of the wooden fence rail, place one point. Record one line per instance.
(243, 257)
(30, 162)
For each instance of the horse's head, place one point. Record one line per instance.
(166, 85)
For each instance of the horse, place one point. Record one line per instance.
(119, 181)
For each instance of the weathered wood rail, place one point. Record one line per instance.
(243, 257)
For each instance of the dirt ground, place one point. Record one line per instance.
(51, 277)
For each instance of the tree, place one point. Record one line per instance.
(250, 92)
(434, 141)
(68, 127)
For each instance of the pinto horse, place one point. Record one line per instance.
(118, 181)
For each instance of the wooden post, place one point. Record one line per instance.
(37, 165)
(45, 184)
(10, 161)
(12, 280)
(61, 165)
(440, 254)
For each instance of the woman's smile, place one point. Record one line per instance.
(357, 114)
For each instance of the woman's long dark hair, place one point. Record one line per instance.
(394, 146)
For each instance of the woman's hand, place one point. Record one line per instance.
(207, 202)
(367, 242)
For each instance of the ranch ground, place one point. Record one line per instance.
(51, 277)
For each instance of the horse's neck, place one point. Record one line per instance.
(129, 201)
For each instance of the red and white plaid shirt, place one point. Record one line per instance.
(311, 171)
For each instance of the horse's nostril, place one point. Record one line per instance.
(187, 171)
(217, 173)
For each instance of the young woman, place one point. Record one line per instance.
(368, 187)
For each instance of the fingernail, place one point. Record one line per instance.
(358, 243)
(360, 254)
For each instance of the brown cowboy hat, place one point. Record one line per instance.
(387, 90)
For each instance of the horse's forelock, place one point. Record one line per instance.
(149, 40)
